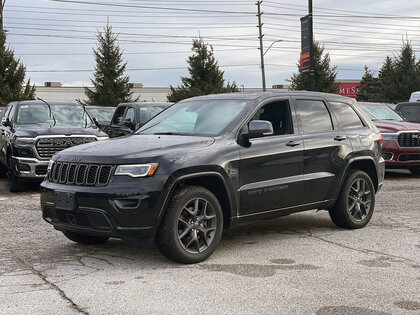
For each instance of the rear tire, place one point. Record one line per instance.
(192, 226)
(356, 202)
(85, 239)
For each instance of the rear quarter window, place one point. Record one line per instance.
(346, 116)
(314, 116)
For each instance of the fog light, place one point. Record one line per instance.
(23, 167)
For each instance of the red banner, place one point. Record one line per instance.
(348, 89)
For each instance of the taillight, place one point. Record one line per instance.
(379, 137)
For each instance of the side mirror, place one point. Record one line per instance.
(6, 123)
(259, 128)
(95, 121)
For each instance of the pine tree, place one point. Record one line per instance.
(205, 75)
(406, 79)
(368, 87)
(12, 76)
(324, 74)
(386, 82)
(111, 86)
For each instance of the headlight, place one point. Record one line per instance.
(389, 136)
(23, 141)
(137, 170)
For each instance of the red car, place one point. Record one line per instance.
(401, 139)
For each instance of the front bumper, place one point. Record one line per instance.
(400, 157)
(119, 210)
(29, 168)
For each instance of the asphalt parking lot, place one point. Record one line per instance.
(300, 264)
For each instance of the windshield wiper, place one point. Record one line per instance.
(49, 107)
(168, 133)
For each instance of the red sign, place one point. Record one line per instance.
(348, 89)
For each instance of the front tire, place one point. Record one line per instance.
(14, 184)
(356, 202)
(192, 226)
(84, 239)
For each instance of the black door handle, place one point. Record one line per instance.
(292, 143)
(340, 138)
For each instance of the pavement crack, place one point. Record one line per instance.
(361, 250)
(51, 284)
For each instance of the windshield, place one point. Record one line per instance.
(101, 114)
(147, 113)
(201, 117)
(381, 112)
(72, 115)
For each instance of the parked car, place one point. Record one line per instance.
(210, 162)
(415, 97)
(32, 131)
(401, 139)
(2, 109)
(128, 117)
(101, 115)
(410, 111)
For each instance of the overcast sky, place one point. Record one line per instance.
(53, 36)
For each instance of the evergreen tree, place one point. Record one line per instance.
(111, 86)
(324, 74)
(406, 75)
(205, 75)
(386, 82)
(12, 76)
(368, 87)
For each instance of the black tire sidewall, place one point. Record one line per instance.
(352, 177)
(179, 200)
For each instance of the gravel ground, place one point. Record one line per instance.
(300, 264)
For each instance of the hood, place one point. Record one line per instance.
(34, 130)
(133, 149)
(390, 126)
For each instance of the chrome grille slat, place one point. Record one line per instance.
(47, 147)
(80, 174)
(409, 139)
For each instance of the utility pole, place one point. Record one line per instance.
(260, 24)
(2, 4)
(311, 48)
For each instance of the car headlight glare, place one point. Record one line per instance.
(136, 170)
(50, 164)
(389, 136)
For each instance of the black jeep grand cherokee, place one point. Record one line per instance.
(210, 162)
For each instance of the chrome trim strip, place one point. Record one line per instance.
(281, 209)
(285, 180)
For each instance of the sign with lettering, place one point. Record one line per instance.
(348, 89)
(305, 26)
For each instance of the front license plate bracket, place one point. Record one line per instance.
(64, 200)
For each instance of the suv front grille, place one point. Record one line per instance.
(80, 174)
(409, 139)
(47, 147)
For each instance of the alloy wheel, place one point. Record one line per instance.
(197, 224)
(359, 200)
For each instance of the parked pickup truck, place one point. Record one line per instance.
(129, 117)
(210, 162)
(31, 132)
(401, 139)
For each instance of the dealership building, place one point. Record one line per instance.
(56, 91)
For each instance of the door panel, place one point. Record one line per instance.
(271, 174)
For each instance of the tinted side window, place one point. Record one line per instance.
(129, 114)
(347, 117)
(118, 116)
(278, 113)
(314, 116)
(411, 113)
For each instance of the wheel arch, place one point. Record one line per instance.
(365, 164)
(211, 180)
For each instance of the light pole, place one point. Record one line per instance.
(262, 62)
